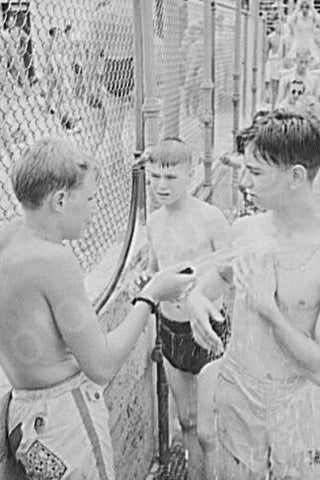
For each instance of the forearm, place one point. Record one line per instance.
(301, 347)
(122, 339)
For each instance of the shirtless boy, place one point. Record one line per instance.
(266, 393)
(183, 228)
(52, 349)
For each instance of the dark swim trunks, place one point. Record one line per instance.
(180, 348)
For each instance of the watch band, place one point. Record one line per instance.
(151, 303)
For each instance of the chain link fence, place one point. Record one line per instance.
(67, 68)
(179, 37)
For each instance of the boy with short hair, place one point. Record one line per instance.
(267, 386)
(52, 349)
(183, 228)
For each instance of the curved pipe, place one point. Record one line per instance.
(100, 302)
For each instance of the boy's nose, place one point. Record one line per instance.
(162, 182)
(245, 181)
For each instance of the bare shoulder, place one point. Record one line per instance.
(207, 210)
(248, 225)
(8, 231)
(59, 261)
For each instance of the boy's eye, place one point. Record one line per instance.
(171, 177)
(155, 175)
(251, 171)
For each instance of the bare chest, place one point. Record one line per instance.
(181, 241)
(298, 282)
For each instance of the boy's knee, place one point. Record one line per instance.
(188, 422)
(206, 437)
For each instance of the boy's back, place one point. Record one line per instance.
(32, 349)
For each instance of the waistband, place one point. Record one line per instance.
(230, 366)
(71, 383)
(174, 326)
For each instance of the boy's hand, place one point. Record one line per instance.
(138, 282)
(201, 311)
(255, 278)
(169, 284)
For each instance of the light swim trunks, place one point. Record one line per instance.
(64, 431)
(269, 424)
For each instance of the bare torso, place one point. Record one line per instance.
(297, 264)
(187, 235)
(33, 353)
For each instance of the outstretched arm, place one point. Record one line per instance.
(99, 356)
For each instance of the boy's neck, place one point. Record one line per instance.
(179, 205)
(38, 225)
(297, 215)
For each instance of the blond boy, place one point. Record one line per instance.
(52, 348)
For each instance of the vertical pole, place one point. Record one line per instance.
(236, 73)
(138, 102)
(254, 87)
(245, 63)
(264, 52)
(207, 88)
(151, 106)
(138, 70)
(213, 71)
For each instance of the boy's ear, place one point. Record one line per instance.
(299, 176)
(58, 200)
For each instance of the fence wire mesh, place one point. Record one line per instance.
(66, 68)
(179, 38)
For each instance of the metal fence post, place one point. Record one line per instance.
(139, 126)
(151, 106)
(236, 73)
(264, 48)
(254, 87)
(213, 71)
(245, 63)
(207, 88)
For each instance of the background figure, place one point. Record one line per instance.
(298, 101)
(273, 64)
(296, 97)
(303, 23)
(301, 73)
(192, 46)
(285, 43)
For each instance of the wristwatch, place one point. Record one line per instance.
(151, 303)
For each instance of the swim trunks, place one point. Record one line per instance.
(64, 431)
(180, 348)
(268, 423)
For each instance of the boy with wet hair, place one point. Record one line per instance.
(183, 228)
(267, 393)
(52, 349)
